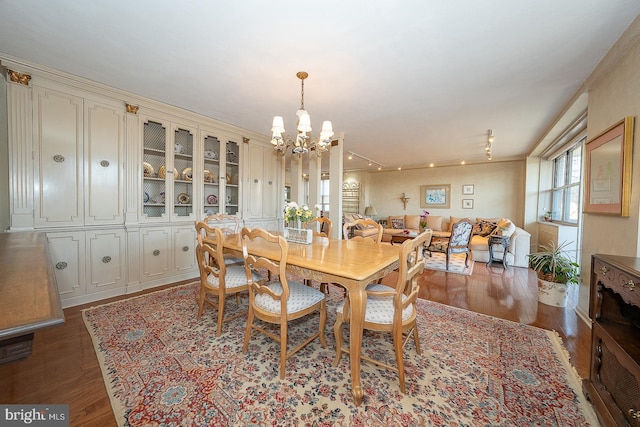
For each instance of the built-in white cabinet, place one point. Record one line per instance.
(167, 251)
(264, 190)
(88, 265)
(78, 166)
(116, 181)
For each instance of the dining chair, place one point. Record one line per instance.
(219, 278)
(229, 224)
(277, 302)
(205, 229)
(325, 231)
(363, 223)
(390, 309)
(325, 226)
(457, 243)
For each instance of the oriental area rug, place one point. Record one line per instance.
(438, 261)
(162, 367)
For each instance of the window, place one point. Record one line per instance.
(567, 178)
(324, 195)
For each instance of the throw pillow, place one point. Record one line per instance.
(505, 228)
(483, 228)
(412, 222)
(397, 222)
(434, 222)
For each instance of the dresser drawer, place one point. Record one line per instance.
(622, 283)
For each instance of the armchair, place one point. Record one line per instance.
(457, 243)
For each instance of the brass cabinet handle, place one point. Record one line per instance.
(630, 285)
(61, 265)
(156, 252)
(106, 259)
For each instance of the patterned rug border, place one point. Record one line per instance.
(571, 376)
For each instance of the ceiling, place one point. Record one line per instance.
(408, 83)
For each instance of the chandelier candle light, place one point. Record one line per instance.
(302, 143)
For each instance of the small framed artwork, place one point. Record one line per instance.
(435, 196)
(467, 189)
(467, 203)
(608, 170)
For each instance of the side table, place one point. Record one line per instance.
(498, 240)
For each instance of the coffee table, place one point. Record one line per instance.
(400, 238)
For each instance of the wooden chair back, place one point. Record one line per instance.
(325, 226)
(363, 223)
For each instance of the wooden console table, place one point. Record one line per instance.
(29, 297)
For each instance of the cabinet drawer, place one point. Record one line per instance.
(616, 377)
(624, 284)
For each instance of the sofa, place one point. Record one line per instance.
(519, 239)
(357, 231)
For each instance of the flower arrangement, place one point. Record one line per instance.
(294, 213)
(423, 219)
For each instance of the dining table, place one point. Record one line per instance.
(352, 264)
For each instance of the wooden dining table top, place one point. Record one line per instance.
(351, 259)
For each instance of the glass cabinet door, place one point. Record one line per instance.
(183, 172)
(211, 175)
(154, 183)
(232, 178)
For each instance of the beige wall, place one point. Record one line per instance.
(615, 96)
(499, 190)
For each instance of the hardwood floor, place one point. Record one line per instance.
(64, 368)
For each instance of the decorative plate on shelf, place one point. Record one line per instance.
(231, 156)
(211, 154)
(162, 172)
(146, 197)
(212, 199)
(187, 174)
(148, 169)
(208, 176)
(183, 198)
(228, 179)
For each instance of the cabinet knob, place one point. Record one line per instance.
(58, 158)
(104, 163)
(185, 248)
(630, 285)
(269, 182)
(106, 259)
(61, 265)
(603, 269)
(156, 252)
(255, 180)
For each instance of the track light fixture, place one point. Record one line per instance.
(490, 138)
(371, 162)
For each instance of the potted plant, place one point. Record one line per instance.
(556, 272)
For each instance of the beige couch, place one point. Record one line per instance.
(520, 240)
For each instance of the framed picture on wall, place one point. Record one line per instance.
(435, 196)
(608, 170)
(467, 203)
(467, 189)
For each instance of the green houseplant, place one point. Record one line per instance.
(556, 271)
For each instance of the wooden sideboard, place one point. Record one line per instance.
(613, 385)
(29, 297)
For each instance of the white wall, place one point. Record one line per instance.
(499, 190)
(613, 97)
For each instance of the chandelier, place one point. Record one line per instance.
(302, 143)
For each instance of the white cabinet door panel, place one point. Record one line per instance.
(156, 256)
(104, 141)
(184, 239)
(59, 150)
(105, 255)
(67, 256)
